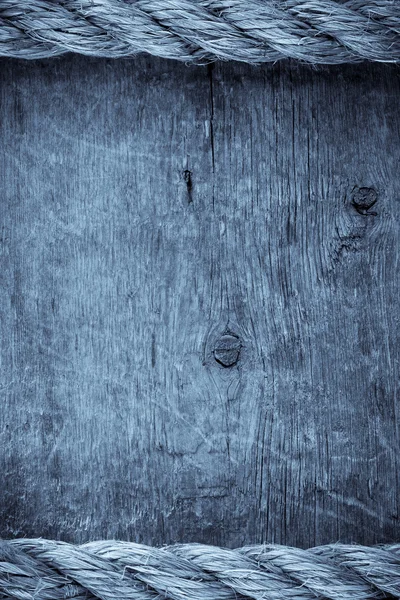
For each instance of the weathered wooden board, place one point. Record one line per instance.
(147, 210)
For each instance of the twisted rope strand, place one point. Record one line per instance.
(202, 31)
(108, 570)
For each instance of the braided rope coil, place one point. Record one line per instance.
(202, 31)
(109, 570)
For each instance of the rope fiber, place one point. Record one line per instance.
(203, 31)
(42, 569)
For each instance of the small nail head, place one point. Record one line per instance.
(227, 350)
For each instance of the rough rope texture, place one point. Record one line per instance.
(47, 570)
(202, 31)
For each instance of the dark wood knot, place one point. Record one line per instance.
(363, 199)
(227, 350)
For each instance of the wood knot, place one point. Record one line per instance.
(363, 199)
(227, 350)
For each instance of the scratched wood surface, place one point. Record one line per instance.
(199, 305)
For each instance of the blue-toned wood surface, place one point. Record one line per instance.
(199, 302)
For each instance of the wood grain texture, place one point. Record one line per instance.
(149, 209)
